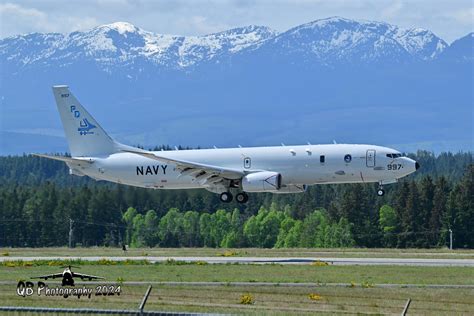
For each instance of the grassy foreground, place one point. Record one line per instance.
(360, 295)
(257, 273)
(268, 300)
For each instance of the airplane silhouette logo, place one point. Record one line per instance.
(67, 276)
(85, 127)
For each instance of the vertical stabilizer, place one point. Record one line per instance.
(85, 136)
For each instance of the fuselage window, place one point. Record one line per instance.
(347, 158)
(322, 158)
(247, 162)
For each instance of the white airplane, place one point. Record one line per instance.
(68, 276)
(282, 169)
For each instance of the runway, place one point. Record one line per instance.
(260, 284)
(271, 260)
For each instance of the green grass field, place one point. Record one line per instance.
(442, 253)
(340, 289)
(273, 299)
(261, 273)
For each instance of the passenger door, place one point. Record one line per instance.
(370, 158)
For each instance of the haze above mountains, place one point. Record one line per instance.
(335, 78)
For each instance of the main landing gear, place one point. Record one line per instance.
(380, 191)
(242, 197)
(227, 197)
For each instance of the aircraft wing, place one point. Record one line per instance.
(198, 170)
(49, 276)
(86, 276)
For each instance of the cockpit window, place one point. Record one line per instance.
(394, 155)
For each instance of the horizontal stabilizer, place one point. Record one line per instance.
(65, 159)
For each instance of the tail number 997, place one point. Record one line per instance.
(394, 166)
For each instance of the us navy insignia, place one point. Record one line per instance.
(153, 170)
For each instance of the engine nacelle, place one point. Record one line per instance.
(264, 181)
(292, 188)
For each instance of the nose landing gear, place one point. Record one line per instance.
(380, 191)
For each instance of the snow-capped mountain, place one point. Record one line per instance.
(461, 50)
(119, 44)
(337, 39)
(122, 44)
(334, 78)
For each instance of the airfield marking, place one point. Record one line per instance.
(271, 260)
(269, 284)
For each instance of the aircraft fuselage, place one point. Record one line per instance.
(298, 165)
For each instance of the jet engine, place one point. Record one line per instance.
(264, 181)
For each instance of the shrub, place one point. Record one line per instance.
(315, 297)
(201, 263)
(228, 253)
(107, 262)
(246, 299)
(319, 263)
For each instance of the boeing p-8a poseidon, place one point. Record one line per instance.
(282, 169)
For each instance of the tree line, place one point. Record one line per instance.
(267, 229)
(40, 203)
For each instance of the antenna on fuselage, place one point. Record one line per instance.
(176, 148)
(334, 141)
(283, 144)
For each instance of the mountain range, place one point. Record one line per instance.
(330, 79)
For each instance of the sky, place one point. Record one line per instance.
(448, 19)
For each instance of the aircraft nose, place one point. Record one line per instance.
(417, 165)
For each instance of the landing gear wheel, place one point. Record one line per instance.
(380, 192)
(226, 197)
(242, 197)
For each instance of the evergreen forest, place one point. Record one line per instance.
(41, 205)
